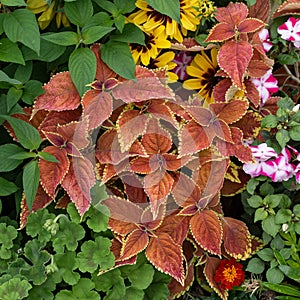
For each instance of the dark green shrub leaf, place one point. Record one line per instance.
(10, 52)
(48, 52)
(251, 185)
(94, 33)
(99, 19)
(23, 155)
(282, 288)
(27, 135)
(82, 65)
(269, 121)
(98, 221)
(13, 2)
(14, 289)
(142, 276)
(283, 216)
(255, 265)
(21, 26)
(108, 6)
(286, 103)
(125, 6)
(295, 133)
(119, 21)
(282, 137)
(118, 57)
(65, 38)
(134, 294)
(79, 12)
(273, 200)
(7, 163)
(170, 8)
(130, 34)
(31, 90)
(159, 287)
(255, 201)
(31, 178)
(260, 214)
(47, 156)
(287, 59)
(5, 78)
(274, 275)
(44, 290)
(94, 254)
(13, 96)
(7, 187)
(23, 73)
(7, 234)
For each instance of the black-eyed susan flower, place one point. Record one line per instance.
(154, 41)
(48, 12)
(203, 68)
(151, 19)
(166, 60)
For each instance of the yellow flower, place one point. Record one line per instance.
(151, 19)
(48, 12)
(203, 68)
(153, 43)
(165, 60)
(205, 8)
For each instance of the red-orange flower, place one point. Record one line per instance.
(229, 273)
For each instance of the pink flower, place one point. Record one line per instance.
(290, 31)
(264, 37)
(297, 172)
(182, 60)
(266, 85)
(263, 152)
(255, 169)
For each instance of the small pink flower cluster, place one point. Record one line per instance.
(290, 31)
(268, 163)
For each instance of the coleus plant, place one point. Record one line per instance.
(162, 158)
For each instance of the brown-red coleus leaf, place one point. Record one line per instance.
(60, 94)
(78, 183)
(53, 173)
(233, 21)
(289, 7)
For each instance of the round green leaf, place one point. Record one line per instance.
(255, 266)
(14, 289)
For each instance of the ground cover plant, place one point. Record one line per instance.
(149, 149)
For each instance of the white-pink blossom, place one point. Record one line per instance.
(266, 85)
(290, 31)
(182, 59)
(264, 37)
(263, 152)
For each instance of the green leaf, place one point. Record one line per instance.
(269, 121)
(94, 33)
(27, 135)
(133, 293)
(260, 214)
(287, 59)
(5, 78)
(82, 66)
(7, 234)
(118, 57)
(282, 288)
(23, 155)
(170, 8)
(266, 254)
(68, 236)
(94, 254)
(290, 272)
(14, 289)
(119, 21)
(44, 290)
(23, 73)
(31, 90)
(21, 26)
(98, 221)
(130, 34)
(47, 156)
(66, 263)
(255, 201)
(7, 163)
(48, 52)
(125, 7)
(7, 187)
(13, 2)
(286, 103)
(282, 137)
(273, 200)
(82, 290)
(142, 276)
(269, 226)
(255, 265)
(295, 133)
(266, 189)
(251, 185)
(99, 19)
(159, 287)
(10, 52)
(13, 96)
(65, 38)
(79, 12)
(108, 6)
(31, 178)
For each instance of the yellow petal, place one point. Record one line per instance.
(193, 71)
(192, 84)
(162, 44)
